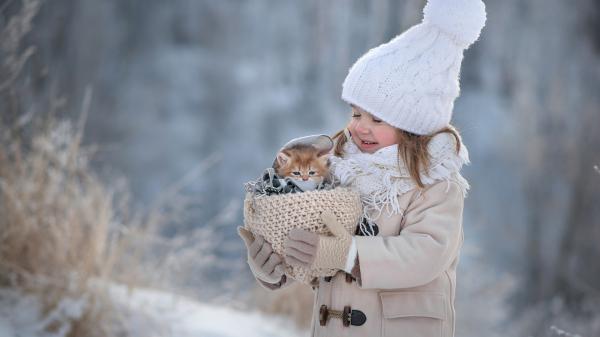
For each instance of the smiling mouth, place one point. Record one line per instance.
(368, 143)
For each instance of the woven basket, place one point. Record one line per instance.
(274, 216)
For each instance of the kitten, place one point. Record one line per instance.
(305, 165)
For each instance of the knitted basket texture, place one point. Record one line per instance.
(274, 216)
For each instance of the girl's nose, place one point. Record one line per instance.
(361, 127)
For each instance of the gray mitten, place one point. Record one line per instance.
(265, 264)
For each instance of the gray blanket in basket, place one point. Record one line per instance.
(270, 183)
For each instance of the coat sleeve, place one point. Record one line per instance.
(426, 246)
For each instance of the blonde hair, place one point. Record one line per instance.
(412, 149)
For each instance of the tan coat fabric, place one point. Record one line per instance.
(407, 277)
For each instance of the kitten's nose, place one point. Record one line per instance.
(305, 178)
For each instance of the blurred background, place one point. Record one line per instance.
(184, 101)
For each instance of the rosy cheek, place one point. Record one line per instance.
(388, 138)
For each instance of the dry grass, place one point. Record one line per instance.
(60, 226)
(55, 215)
(56, 221)
(66, 235)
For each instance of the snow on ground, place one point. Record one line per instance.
(21, 315)
(146, 313)
(180, 317)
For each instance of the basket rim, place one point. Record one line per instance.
(337, 190)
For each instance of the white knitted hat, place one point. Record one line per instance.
(411, 82)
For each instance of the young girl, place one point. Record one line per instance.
(397, 274)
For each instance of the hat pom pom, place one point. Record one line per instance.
(461, 19)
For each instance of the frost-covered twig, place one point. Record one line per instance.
(10, 43)
(560, 332)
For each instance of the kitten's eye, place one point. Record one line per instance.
(296, 173)
(311, 173)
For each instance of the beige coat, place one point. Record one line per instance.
(407, 281)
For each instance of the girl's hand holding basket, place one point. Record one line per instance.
(311, 250)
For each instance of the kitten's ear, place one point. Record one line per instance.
(323, 153)
(323, 157)
(282, 158)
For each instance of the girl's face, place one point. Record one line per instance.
(370, 133)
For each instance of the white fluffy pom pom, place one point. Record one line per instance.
(461, 19)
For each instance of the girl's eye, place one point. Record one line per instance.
(355, 115)
(296, 173)
(375, 120)
(311, 173)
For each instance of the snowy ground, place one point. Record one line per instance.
(147, 313)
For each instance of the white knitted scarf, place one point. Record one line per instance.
(381, 179)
